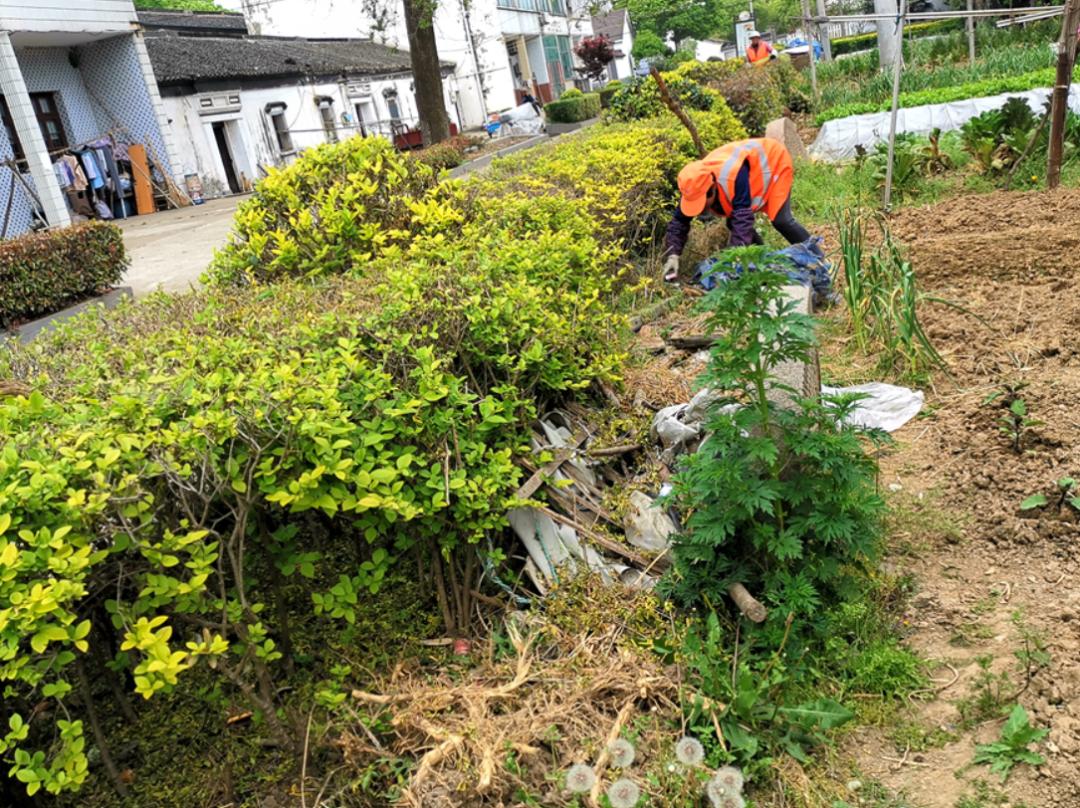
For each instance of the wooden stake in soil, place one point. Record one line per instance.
(1060, 98)
(677, 109)
(813, 66)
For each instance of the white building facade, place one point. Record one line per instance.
(617, 26)
(238, 105)
(500, 49)
(73, 73)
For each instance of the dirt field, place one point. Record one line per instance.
(996, 586)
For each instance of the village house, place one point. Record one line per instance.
(617, 26)
(237, 104)
(84, 131)
(500, 49)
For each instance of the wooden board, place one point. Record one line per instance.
(140, 175)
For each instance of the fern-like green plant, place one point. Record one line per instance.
(781, 499)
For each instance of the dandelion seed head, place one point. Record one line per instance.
(623, 794)
(622, 753)
(716, 792)
(731, 778)
(689, 751)
(733, 801)
(580, 778)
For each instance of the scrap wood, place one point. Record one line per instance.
(692, 342)
(614, 451)
(603, 541)
(750, 606)
(540, 475)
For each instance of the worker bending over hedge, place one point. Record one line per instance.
(735, 181)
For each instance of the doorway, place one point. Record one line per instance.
(226, 156)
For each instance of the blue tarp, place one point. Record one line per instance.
(804, 263)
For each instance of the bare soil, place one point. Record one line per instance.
(995, 584)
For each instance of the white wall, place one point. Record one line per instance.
(75, 16)
(484, 63)
(252, 140)
(709, 49)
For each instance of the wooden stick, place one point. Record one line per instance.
(1060, 98)
(750, 606)
(692, 341)
(613, 451)
(677, 109)
(610, 545)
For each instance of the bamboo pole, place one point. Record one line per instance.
(1060, 99)
(897, 66)
(677, 109)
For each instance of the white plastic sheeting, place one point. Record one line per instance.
(886, 406)
(837, 139)
(521, 120)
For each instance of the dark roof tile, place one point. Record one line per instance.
(183, 59)
(611, 24)
(191, 21)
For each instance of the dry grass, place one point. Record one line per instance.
(556, 700)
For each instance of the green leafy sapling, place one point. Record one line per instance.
(780, 498)
(1016, 736)
(1016, 424)
(1066, 493)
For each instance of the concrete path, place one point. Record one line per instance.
(170, 250)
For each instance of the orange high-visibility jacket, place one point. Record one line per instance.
(771, 173)
(759, 54)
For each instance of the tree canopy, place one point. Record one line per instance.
(704, 19)
(178, 5)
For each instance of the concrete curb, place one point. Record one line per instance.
(556, 129)
(28, 331)
(485, 161)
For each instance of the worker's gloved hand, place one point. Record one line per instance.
(671, 269)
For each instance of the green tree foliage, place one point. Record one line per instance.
(648, 44)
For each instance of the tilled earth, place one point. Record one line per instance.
(997, 585)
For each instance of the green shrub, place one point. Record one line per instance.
(571, 92)
(332, 211)
(755, 97)
(573, 108)
(40, 273)
(442, 156)
(196, 456)
(639, 97)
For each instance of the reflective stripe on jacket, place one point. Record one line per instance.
(770, 173)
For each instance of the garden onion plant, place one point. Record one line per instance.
(883, 298)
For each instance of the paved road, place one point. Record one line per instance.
(170, 250)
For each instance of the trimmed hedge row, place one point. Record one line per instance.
(850, 44)
(571, 109)
(945, 95)
(192, 462)
(40, 273)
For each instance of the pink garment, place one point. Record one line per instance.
(74, 172)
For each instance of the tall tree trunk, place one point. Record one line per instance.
(1060, 98)
(427, 74)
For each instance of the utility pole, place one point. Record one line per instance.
(896, 103)
(823, 33)
(888, 34)
(1060, 99)
(970, 22)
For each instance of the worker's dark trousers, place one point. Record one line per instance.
(786, 225)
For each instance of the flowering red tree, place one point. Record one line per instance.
(596, 52)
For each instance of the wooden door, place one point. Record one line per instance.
(140, 175)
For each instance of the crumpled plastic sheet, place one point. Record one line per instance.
(885, 406)
(808, 267)
(837, 139)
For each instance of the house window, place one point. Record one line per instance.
(48, 115)
(281, 127)
(393, 109)
(329, 125)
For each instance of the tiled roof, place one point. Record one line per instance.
(611, 24)
(184, 59)
(191, 21)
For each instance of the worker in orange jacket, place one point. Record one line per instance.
(736, 181)
(758, 52)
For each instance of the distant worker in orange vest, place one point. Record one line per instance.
(736, 181)
(758, 52)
